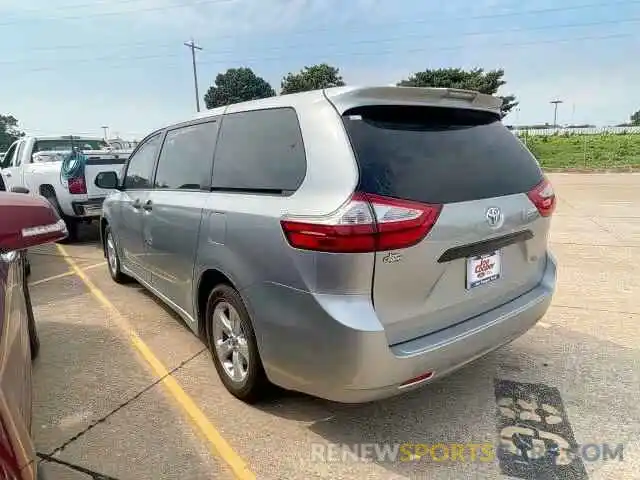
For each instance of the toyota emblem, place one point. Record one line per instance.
(494, 217)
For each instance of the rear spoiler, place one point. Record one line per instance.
(346, 98)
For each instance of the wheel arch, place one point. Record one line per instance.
(208, 280)
(47, 190)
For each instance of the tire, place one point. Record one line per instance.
(71, 223)
(250, 384)
(113, 260)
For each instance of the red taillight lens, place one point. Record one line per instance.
(77, 185)
(9, 468)
(543, 197)
(366, 223)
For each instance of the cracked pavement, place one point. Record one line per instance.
(101, 412)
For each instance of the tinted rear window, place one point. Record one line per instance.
(438, 155)
(260, 151)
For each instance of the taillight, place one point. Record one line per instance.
(77, 185)
(366, 223)
(9, 468)
(543, 197)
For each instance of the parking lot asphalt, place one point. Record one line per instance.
(124, 390)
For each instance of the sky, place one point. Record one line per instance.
(73, 66)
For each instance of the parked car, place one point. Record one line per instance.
(25, 221)
(350, 243)
(37, 163)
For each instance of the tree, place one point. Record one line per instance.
(635, 119)
(9, 131)
(237, 85)
(312, 78)
(475, 79)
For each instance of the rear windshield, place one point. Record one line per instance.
(438, 155)
(63, 145)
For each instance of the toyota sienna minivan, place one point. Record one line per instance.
(349, 243)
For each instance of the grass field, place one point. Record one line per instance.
(585, 151)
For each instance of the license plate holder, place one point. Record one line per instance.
(93, 210)
(483, 269)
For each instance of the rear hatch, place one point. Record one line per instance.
(486, 243)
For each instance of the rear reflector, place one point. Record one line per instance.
(543, 197)
(77, 186)
(366, 223)
(418, 379)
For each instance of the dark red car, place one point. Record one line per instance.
(25, 221)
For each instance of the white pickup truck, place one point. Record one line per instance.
(35, 164)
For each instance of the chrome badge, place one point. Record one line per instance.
(494, 217)
(391, 258)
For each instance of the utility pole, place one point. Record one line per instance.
(106, 132)
(193, 48)
(555, 112)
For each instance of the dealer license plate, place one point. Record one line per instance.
(483, 269)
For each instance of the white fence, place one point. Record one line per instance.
(578, 131)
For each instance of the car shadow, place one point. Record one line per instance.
(88, 233)
(174, 316)
(443, 412)
(462, 408)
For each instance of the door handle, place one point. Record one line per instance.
(8, 174)
(136, 204)
(148, 206)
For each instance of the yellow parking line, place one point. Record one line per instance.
(65, 274)
(217, 443)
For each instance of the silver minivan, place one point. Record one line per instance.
(349, 243)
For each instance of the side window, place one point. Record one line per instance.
(8, 158)
(260, 150)
(140, 166)
(187, 157)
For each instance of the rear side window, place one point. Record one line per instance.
(186, 158)
(260, 151)
(438, 155)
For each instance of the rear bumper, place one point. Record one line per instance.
(335, 348)
(88, 208)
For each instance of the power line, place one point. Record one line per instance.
(362, 41)
(508, 13)
(412, 21)
(458, 47)
(431, 48)
(84, 5)
(462, 34)
(121, 12)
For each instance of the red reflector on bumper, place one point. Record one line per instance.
(418, 379)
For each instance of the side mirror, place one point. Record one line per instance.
(19, 190)
(27, 221)
(108, 180)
